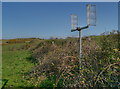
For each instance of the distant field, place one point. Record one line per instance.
(17, 40)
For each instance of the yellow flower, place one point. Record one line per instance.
(53, 64)
(118, 59)
(117, 50)
(82, 82)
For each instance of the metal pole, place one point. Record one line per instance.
(80, 46)
(80, 54)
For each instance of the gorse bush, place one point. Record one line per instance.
(55, 60)
(100, 63)
(58, 62)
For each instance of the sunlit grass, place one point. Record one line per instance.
(14, 65)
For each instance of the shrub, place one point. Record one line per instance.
(58, 62)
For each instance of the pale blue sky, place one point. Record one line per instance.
(52, 19)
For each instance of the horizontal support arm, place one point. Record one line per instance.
(84, 27)
(73, 30)
(78, 28)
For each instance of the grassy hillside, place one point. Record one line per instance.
(55, 62)
(14, 64)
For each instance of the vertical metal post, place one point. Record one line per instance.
(80, 54)
(91, 19)
(80, 46)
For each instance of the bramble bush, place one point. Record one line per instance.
(58, 62)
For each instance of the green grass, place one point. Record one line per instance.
(14, 65)
(12, 47)
(16, 61)
(0, 84)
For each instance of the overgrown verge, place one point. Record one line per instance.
(58, 62)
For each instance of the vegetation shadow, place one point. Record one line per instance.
(32, 59)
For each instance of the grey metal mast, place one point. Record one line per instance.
(80, 42)
(80, 45)
(91, 21)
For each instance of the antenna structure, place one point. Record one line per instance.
(74, 21)
(91, 21)
(91, 15)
